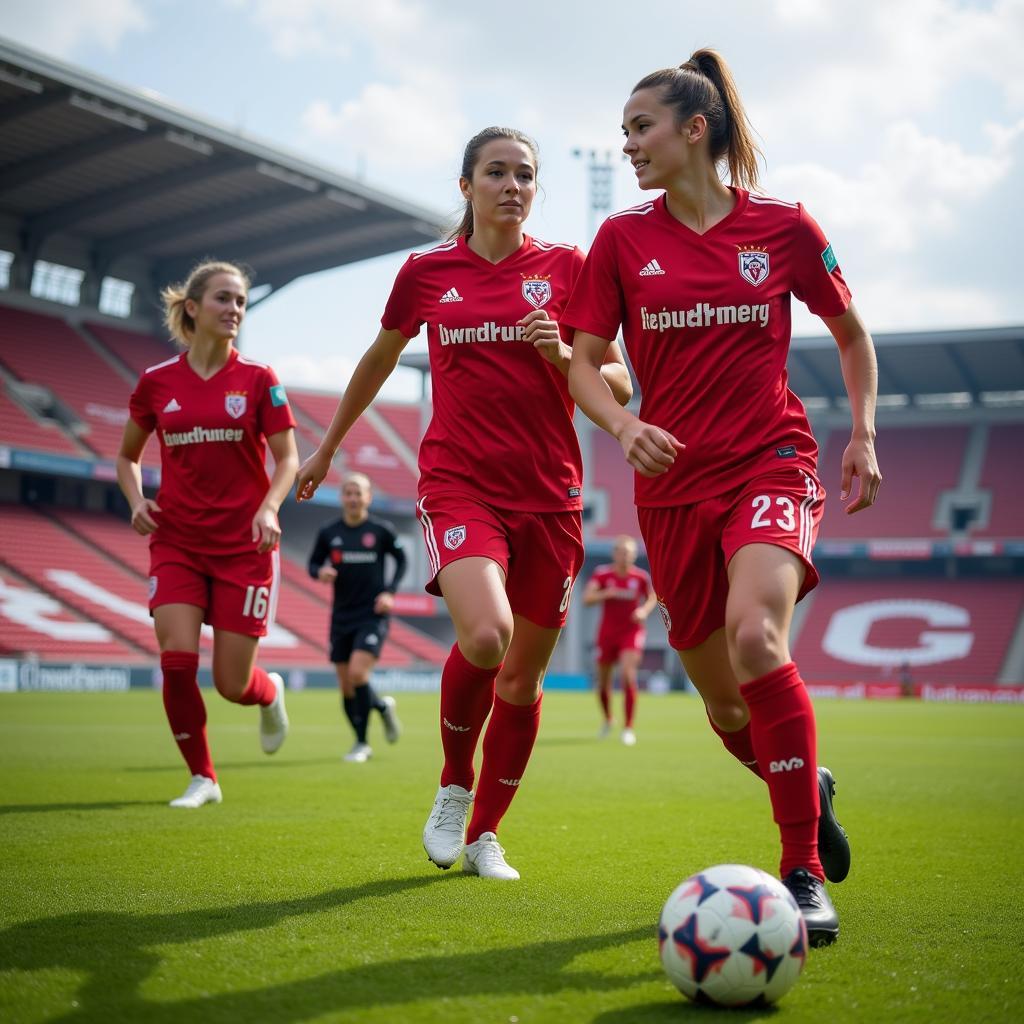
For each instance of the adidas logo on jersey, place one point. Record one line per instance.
(653, 269)
(452, 295)
(172, 406)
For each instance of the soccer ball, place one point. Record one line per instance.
(732, 935)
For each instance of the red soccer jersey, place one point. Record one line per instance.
(212, 448)
(706, 323)
(502, 423)
(631, 589)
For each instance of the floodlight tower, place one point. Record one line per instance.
(601, 169)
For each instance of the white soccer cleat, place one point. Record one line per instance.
(359, 754)
(629, 737)
(444, 834)
(392, 726)
(201, 790)
(486, 858)
(274, 719)
(606, 728)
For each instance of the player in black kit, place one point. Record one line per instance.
(349, 554)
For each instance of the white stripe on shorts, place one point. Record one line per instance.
(428, 536)
(806, 516)
(275, 586)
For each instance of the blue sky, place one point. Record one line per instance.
(899, 124)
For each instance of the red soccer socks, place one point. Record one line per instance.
(784, 740)
(186, 711)
(467, 693)
(508, 743)
(629, 698)
(739, 744)
(261, 689)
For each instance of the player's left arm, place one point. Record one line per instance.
(860, 374)
(266, 530)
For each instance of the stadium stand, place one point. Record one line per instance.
(61, 565)
(864, 630)
(137, 351)
(405, 420)
(18, 428)
(102, 180)
(35, 624)
(611, 475)
(1002, 477)
(914, 481)
(44, 350)
(365, 449)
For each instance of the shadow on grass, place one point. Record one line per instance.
(118, 952)
(223, 766)
(100, 805)
(677, 1008)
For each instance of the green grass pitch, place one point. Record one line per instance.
(306, 896)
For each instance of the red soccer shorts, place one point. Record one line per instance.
(236, 592)
(610, 648)
(690, 546)
(540, 553)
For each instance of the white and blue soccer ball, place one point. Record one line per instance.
(732, 935)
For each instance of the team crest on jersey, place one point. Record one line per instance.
(369, 539)
(537, 290)
(754, 266)
(234, 403)
(454, 537)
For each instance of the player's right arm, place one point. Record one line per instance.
(373, 370)
(129, 478)
(318, 567)
(648, 449)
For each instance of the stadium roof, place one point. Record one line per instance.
(125, 177)
(980, 366)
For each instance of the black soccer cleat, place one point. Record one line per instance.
(818, 913)
(833, 846)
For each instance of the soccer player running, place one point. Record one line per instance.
(628, 598)
(213, 526)
(500, 491)
(349, 555)
(700, 279)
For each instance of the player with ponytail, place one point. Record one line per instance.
(700, 278)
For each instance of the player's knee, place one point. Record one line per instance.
(728, 715)
(755, 645)
(519, 687)
(229, 685)
(485, 645)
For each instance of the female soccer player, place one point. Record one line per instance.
(628, 598)
(500, 477)
(700, 280)
(348, 554)
(213, 527)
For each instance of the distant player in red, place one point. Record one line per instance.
(213, 526)
(500, 488)
(700, 280)
(627, 598)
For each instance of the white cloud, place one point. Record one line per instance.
(863, 63)
(337, 27)
(408, 123)
(59, 28)
(917, 184)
